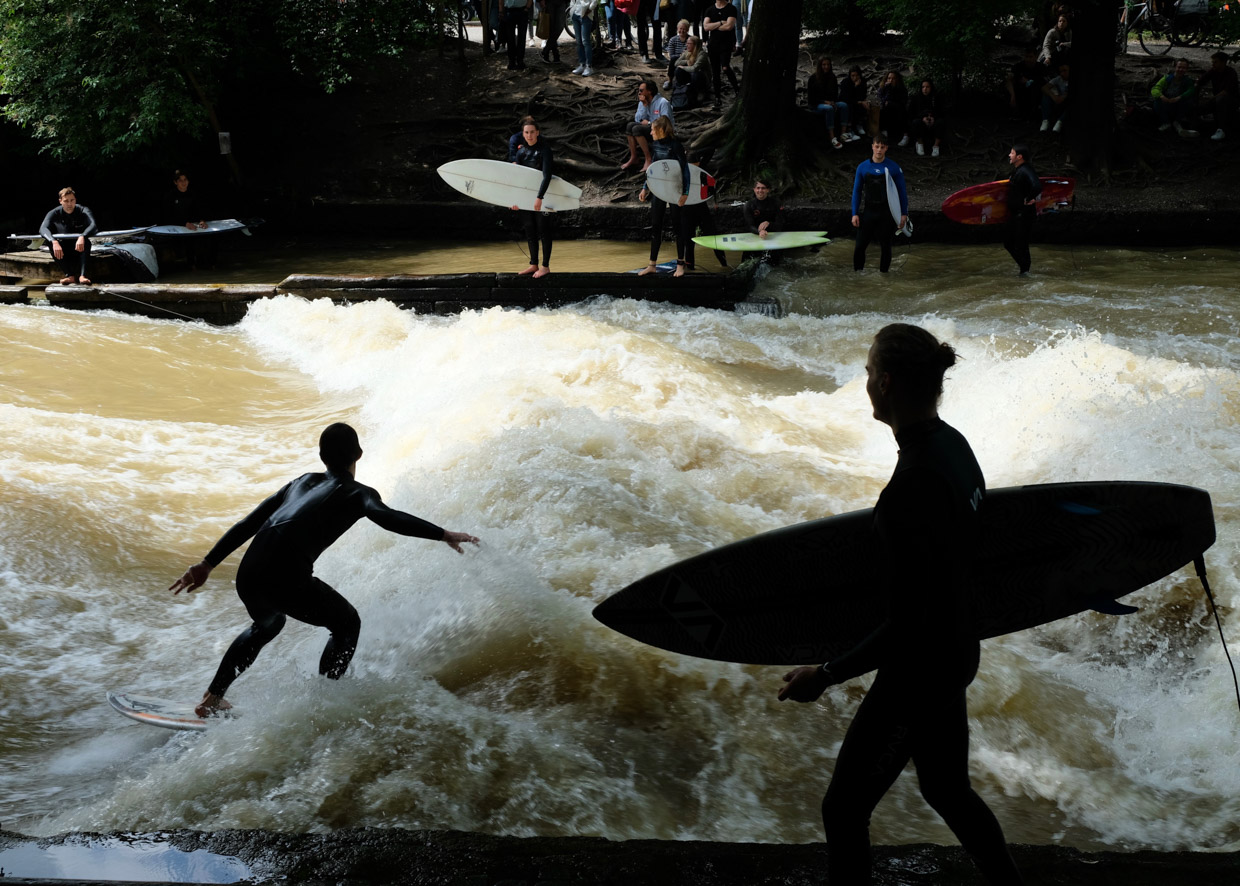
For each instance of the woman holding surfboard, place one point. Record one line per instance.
(926, 530)
(534, 153)
(667, 147)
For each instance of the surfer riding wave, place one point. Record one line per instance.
(276, 577)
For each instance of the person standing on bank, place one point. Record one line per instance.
(926, 525)
(876, 220)
(1023, 189)
(533, 152)
(667, 147)
(719, 23)
(69, 218)
(276, 578)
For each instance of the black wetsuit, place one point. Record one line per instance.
(276, 578)
(1023, 185)
(538, 225)
(669, 149)
(80, 222)
(926, 524)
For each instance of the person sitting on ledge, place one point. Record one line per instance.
(650, 106)
(69, 218)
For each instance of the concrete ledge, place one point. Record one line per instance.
(447, 294)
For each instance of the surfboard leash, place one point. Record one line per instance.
(1199, 563)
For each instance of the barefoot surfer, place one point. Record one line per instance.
(276, 578)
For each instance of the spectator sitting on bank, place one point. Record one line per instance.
(893, 108)
(1057, 43)
(650, 106)
(1055, 100)
(822, 94)
(1226, 99)
(690, 75)
(1024, 84)
(1174, 99)
(854, 92)
(923, 113)
(674, 47)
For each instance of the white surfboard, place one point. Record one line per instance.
(508, 185)
(893, 204)
(97, 237)
(219, 226)
(161, 712)
(664, 180)
(750, 242)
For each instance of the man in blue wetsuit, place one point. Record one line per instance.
(876, 220)
(926, 528)
(276, 578)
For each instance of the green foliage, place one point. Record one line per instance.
(327, 39)
(947, 38)
(97, 79)
(840, 17)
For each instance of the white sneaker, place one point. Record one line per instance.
(921, 152)
(1058, 127)
(1218, 136)
(579, 69)
(903, 143)
(588, 72)
(667, 84)
(1188, 133)
(1164, 127)
(934, 152)
(1046, 124)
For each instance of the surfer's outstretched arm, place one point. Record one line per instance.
(194, 578)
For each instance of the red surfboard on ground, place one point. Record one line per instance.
(987, 203)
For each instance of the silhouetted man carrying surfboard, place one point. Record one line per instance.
(926, 528)
(276, 577)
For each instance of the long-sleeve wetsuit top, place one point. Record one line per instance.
(536, 156)
(871, 180)
(768, 210)
(672, 149)
(183, 206)
(1023, 185)
(310, 513)
(926, 527)
(80, 221)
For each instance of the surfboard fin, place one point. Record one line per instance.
(1110, 606)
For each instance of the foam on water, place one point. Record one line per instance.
(586, 446)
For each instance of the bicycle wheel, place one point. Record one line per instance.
(1153, 36)
(1187, 30)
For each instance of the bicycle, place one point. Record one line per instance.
(1157, 31)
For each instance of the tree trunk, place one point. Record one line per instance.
(1091, 129)
(760, 131)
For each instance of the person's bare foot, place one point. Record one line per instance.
(67, 281)
(532, 269)
(680, 269)
(651, 268)
(646, 165)
(211, 705)
(542, 272)
(627, 163)
(83, 281)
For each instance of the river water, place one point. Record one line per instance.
(588, 446)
